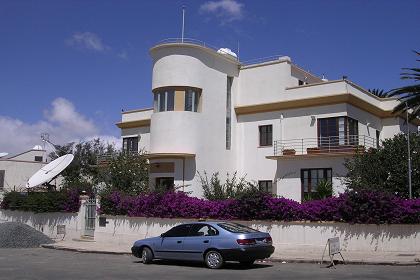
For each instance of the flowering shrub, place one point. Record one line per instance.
(61, 201)
(352, 207)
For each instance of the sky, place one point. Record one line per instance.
(68, 68)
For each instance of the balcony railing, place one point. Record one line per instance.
(325, 145)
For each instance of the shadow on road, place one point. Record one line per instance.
(227, 265)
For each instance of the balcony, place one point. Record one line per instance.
(323, 146)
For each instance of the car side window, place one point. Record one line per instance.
(203, 230)
(178, 231)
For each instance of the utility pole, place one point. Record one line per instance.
(409, 153)
(183, 23)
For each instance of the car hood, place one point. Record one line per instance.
(147, 240)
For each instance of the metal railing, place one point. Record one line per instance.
(325, 145)
(261, 60)
(186, 41)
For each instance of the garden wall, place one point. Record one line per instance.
(306, 236)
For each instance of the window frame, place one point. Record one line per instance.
(344, 135)
(310, 186)
(260, 187)
(200, 226)
(127, 143)
(263, 139)
(2, 178)
(185, 233)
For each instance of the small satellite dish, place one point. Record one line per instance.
(3, 154)
(49, 171)
(227, 51)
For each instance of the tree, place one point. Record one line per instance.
(83, 172)
(126, 172)
(408, 95)
(378, 92)
(386, 168)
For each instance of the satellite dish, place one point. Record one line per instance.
(49, 171)
(3, 154)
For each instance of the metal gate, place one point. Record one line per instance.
(90, 216)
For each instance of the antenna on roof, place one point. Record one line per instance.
(183, 23)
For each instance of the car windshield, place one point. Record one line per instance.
(236, 228)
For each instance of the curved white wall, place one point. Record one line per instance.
(175, 132)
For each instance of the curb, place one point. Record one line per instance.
(274, 260)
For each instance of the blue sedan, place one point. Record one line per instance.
(211, 242)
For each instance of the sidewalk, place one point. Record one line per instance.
(284, 255)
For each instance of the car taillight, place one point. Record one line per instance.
(246, 241)
(268, 240)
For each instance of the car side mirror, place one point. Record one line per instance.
(162, 235)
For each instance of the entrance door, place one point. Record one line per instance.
(90, 216)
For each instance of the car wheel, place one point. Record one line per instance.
(213, 259)
(146, 255)
(247, 263)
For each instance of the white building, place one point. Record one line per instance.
(269, 120)
(16, 170)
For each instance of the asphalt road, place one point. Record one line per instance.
(53, 264)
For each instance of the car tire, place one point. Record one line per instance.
(247, 263)
(146, 255)
(214, 259)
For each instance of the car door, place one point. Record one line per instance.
(199, 239)
(172, 242)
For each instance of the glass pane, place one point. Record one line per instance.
(155, 103)
(188, 100)
(170, 101)
(161, 101)
(196, 100)
(305, 184)
(341, 131)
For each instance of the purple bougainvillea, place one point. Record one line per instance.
(352, 207)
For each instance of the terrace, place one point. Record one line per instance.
(323, 146)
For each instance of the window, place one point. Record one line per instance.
(266, 135)
(310, 179)
(178, 231)
(130, 144)
(38, 158)
(165, 183)
(236, 228)
(378, 134)
(164, 100)
(2, 175)
(203, 230)
(266, 186)
(301, 83)
(192, 97)
(337, 131)
(228, 112)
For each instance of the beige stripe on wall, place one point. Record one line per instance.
(179, 100)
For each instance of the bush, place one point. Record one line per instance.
(351, 207)
(232, 188)
(40, 202)
(385, 169)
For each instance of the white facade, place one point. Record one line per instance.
(16, 170)
(293, 103)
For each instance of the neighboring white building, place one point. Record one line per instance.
(269, 120)
(16, 170)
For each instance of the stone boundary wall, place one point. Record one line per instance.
(306, 236)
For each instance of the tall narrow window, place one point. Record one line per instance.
(266, 135)
(130, 144)
(2, 175)
(377, 138)
(192, 97)
(228, 112)
(164, 101)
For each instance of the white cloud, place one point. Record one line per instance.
(87, 40)
(123, 55)
(61, 121)
(225, 10)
